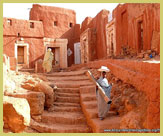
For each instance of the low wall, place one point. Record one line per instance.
(144, 76)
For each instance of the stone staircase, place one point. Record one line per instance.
(75, 108)
(66, 115)
(88, 103)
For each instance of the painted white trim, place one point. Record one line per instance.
(26, 45)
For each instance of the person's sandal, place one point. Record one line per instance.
(101, 118)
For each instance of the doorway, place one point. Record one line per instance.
(56, 53)
(77, 53)
(140, 36)
(85, 50)
(112, 46)
(20, 55)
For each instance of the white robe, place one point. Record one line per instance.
(48, 59)
(103, 107)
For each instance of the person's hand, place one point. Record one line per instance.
(97, 78)
(96, 87)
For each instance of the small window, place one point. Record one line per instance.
(55, 23)
(70, 25)
(31, 24)
(9, 22)
(18, 34)
(41, 20)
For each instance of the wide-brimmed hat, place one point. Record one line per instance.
(103, 68)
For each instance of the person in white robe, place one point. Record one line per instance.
(48, 59)
(103, 107)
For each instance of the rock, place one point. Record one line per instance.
(36, 118)
(130, 104)
(40, 86)
(29, 84)
(38, 66)
(47, 90)
(116, 103)
(140, 56)
(130, 121)
(16, 113)
(42, 77)
(148, 51)
(146, 56)
(153, 54)
(36, 101)
(10, 86)
(121, 110)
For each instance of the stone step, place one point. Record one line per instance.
(71, 73)
(67, 90)
(91, 89)
(67, 94)
(63, 104)
(72, 84)
(60, 128)
(29, 130)
(66, 109)
(90, 104)
(67, 99)
(68, 78)
(26, 70)
(93, 113)
(67, 85)
(63, 117)
(88, 97)
(109, 123)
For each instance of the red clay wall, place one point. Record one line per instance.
(64, 17)
(73, 36)
(32, 36)
(145, 76)
(99, 23)
(127, 18)
(50, 14)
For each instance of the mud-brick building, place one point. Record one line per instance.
(26, 41)
(136, 26)
(22, 41)
(93, 37)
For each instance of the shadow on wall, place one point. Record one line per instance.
(73, 36)
(32, 63)
(11, 40)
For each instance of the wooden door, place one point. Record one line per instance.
(20, 55)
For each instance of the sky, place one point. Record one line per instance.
(83, 10)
